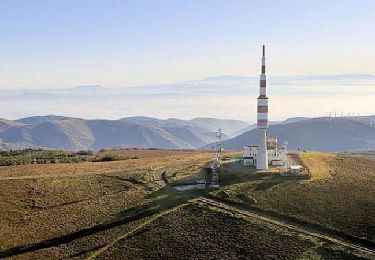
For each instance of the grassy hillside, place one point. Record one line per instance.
(117, 210)
(339, 194)
(199, 232)
(46, 203)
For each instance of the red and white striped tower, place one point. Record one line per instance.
(262, 122)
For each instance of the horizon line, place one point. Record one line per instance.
(192, 80)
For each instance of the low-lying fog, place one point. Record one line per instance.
(222, 97)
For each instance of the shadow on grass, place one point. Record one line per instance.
(159, 200)
(235, 173)
(163, 199)
(202, 174)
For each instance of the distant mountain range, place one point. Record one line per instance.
(58, 132)
(79, 134)
(323, 134)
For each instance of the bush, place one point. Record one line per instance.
(39, 156)
(108, 158)
(85, 152)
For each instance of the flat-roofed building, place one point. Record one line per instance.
(276, 156)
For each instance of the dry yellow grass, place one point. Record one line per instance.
(318, 163)
(145, 159)
(42, 202)
(48, 202)
(340, 194)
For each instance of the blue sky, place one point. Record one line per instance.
(50, 45)
(122, 43)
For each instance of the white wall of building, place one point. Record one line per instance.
(275, 157)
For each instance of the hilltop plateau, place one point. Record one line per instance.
(128, 208)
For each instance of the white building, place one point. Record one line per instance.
(295, 169)
(277, 156)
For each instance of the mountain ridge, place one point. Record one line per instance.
(323, 134)
(60, 132)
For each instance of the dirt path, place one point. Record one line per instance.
(346, 241)
(160, 177)
(156, 210)
(323, 233)
(151, 210)
(356, 246)
(101, 250)
(34, 177)
(52, 176)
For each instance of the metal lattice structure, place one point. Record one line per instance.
(215, 162)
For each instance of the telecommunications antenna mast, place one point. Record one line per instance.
(215, 163)
(285, 159)
(219, 146)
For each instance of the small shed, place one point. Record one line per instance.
(248, 161)
(201, 184)
(295, 169)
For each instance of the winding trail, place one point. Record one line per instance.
(314, 230)
(154, 211)
(326, 234)
(160, 175)
(131, 232)
(357, 246)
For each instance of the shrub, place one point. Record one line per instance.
(108, 158)
(85, 152)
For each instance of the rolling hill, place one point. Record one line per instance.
(342, 134)
(57, 132)
(78, 134)
(202, 124)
